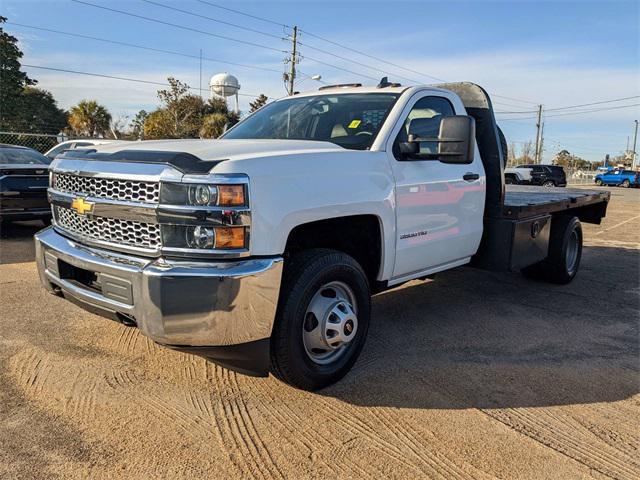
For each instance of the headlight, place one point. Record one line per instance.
(205, 218)
(204, 237)
(201, 195)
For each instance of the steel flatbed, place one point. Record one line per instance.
(522, 201)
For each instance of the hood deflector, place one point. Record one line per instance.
(185, 162)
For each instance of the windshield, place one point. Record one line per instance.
(14, 156)
(350, 120)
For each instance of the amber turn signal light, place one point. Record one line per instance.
(231, 195)
(230, 237)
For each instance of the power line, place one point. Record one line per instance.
(570, 106)
(513, 99)
(514, 112)
(133, 45)
(213, 19)
(359, 52)
(498, 102)
(340, 68)
(127, 79)
(594, 103)
(162, 22)
(356, 62)
(355, 51)
(372, 57)
(255, 17)
(311, 47)
(593, 110)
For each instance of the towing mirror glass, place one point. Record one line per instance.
(455, 142)
(456, 139)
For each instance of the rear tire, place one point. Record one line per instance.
(549, 183)
(565, 252)
(295, 359)
(625, 184)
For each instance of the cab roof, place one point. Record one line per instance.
(356, 88)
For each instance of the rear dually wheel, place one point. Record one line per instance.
(565, 252)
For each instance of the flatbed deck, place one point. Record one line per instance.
(522, 201)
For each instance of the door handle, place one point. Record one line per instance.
(470, 177)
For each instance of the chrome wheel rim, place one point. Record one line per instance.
(548, 184)
(330, 323)
(572, 251)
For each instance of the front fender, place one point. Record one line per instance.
(291, 190)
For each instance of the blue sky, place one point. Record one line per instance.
(554, 53)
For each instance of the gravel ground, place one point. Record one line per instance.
(479, 375)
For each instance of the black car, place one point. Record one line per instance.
(547, 175)
(24, 178)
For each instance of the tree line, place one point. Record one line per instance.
(25, 108)
(525, 155)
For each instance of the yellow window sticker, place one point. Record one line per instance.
(355, 123)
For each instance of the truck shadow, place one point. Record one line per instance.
(474, 339)
(16, 241)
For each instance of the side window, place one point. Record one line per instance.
(424, 121)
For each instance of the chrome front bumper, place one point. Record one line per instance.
(176, 303)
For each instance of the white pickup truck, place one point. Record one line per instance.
(261, 250)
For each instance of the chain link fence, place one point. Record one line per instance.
(577, 176)
(38, 141)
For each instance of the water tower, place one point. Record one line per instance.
(225, 85)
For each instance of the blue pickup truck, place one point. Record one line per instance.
(622, 178)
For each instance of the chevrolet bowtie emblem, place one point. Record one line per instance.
(81, 206)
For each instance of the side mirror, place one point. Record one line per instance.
(456, 142)
(457, 139)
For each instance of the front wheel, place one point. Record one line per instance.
(599, 182)
(322, 320)
(548, 183)
(565, 252)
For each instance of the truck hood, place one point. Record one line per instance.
(217, 150)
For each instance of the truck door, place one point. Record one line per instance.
(439, 206)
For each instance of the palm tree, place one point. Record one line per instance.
(89, 118)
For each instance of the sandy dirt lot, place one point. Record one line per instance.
(473, 375)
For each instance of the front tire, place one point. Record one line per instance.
(322, 319)
(599, 182)
(548, 184)
(565, 252)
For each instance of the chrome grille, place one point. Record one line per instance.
(125, 232)
(114, 189)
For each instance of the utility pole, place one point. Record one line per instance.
(538, 136)
(291, 77)
(635, 139)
